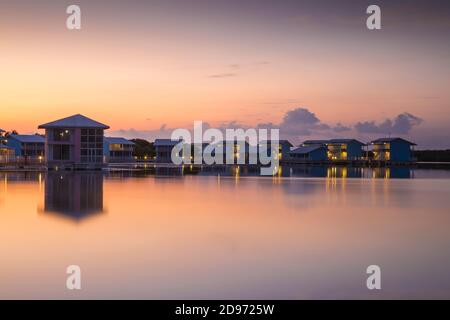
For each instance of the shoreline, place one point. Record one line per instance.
(142, 166)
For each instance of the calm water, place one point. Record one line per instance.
(309, 235)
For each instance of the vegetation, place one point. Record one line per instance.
(432, 155)
(144, 149)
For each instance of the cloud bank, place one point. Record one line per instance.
(300, 123)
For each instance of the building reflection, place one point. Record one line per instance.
(74, 195)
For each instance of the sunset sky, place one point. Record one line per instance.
(311, 67)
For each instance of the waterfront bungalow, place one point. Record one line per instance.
(314, 152)
(28, 147)
(340, 149)
(116, 150)
(197, 151)
(392, 149)
(75, 142)
(7, 154)
(238, 155)
(345, 149)
(163, 148)
(284, 148)
(314, 143)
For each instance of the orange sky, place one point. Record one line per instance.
(141, 66)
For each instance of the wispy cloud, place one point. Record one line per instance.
(402, 124)
(222, 75)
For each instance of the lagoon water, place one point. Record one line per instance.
(299, 235)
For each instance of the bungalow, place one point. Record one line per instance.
(30, 147)
(345, 149)
(284, 148)
(163, 148)
(240, 151)
(197, 151)
(392, 149)
(6, 154)
(116, 149)
(309, 153)
(74, 142)
(314, 143)
(340, 149)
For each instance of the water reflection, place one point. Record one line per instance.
(211, 237)
(75, 195)
(311, 171)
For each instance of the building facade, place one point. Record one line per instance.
(345, 149)
(27, 147)
(163, 149)
(74, 142)
(340, 149)
(116, 150)
(392, 149)
(235, 151)
(284, 148)
(309, 153)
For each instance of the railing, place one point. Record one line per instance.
(21, 161)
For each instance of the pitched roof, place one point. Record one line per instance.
(345, 141)
(315, 141)
(118, 140)
(279, 142)
(304, 150)
(27, 138)
(1, 130)
(75, 121)
(385, 140)
(166, 142)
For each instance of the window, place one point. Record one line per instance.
(61, 135)
(61, 152)
(91, 145)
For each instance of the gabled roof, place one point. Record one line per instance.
(387, 140)
(345, 141)
(27, 138)
(315, 142)
(305, 150)
(281, 142)
(118, 140)
(166, 142)
(75, 121)
(1, 130)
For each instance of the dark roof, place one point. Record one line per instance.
(279, 142)
(118, 140)
(315, 142)
(75, 121)
(345, 141)
(1, 130)
(166, 142)
(304, 150)
(27, 138)
(386, 140)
